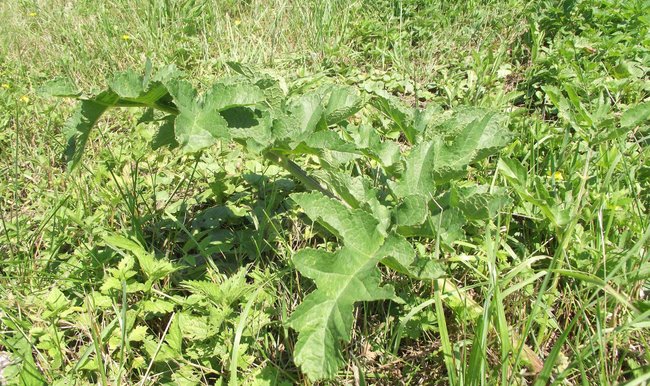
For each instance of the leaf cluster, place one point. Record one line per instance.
(371, 190)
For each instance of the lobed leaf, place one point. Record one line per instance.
(636, 115)
(343, 278)
(412, 210)
(433, 162)
(165, 135)
(60, 87)
(77, 128)
(343, 102)
(357, 228)
(199, 123)
(429, 164)
(399, 114)
(477, 202)
(401, 257)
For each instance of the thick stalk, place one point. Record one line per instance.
(297, 172)
(169, 109)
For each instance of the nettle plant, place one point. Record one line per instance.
(375, 189)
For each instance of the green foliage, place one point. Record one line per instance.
(347, 276)
(371, 230)
(357, 177)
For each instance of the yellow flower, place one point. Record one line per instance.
(6, 86)
(24, 99)
(237, 21)
(126, 37)
(557, 176)
(32, 14)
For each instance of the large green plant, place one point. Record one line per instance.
(371, 192)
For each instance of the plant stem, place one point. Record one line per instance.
(308, 181)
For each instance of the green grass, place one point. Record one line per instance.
(561, 274)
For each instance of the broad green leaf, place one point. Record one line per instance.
(477, 203)
(400, 115)
(61, 87)
(636, 115)
(304, 115)
(250, 126)
(357, 192)
(388, 155)
(196, 327)
(369, 142)
(174, 336)
(326, 140)
(345, 277)
(138, 334)
(357, 228)
(127, 84)
(412, 210)
(227, 96)
(393, 108)
(199, 123)
(77, 128)
(429, 164)
(423, 118)
(308, 112)
(354, 190)
(159, 352)
(157, 306)
(165, 135)
(433, 162)
(494, 134)
(126, 89)
(446, 224)
(274, 89)
(268, 376)
(58, 305)
(513, 171)
(401, 257)
(343, 102)
(480, 138)
(143, 90)
(324, 318)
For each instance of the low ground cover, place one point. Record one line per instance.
(389, 192)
